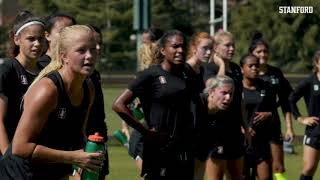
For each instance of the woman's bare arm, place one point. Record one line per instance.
(40, 101)
(120, 107)
(4, 141)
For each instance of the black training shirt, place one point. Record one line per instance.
(197, 85)
(43, 61)
(281, 86)
(165, 100)
(195, 80)
(309, 89)
(63, 129)
(231, 118)
(14, 82)
(257, 100)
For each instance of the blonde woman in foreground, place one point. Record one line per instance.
(58, 101)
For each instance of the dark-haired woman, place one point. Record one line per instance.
(309, 89)
(151, 35)
(147, 57)
(165, 99)
(259, 104)
(53, 25)
(282, 89)
(17, 73)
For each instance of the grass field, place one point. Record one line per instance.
(122, 166)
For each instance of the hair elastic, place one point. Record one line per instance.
(26, 25)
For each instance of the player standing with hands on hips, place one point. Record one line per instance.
(165, 98)
(282, 89)
(309, 89)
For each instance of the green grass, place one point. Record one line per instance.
(122, 166)
(112, 119)
(294, 164)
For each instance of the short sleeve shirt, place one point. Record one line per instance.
(165, 100)
(14, 82)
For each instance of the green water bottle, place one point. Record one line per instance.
(95, 144)
(136, 111)
(122, 138)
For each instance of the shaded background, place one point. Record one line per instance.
(293, 38)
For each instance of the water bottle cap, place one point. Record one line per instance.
(96, 137)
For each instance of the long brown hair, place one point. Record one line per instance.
(21, 19)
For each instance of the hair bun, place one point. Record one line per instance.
(257, 36)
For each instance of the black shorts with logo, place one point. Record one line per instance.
(312, 141)
(228, 151)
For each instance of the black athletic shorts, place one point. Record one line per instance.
(135, 144)
(312, 141)
(105, 167)
(14, 167)
(228, 151)
(168, 162)
(257, 154)
(274, 130)
(201, 147)
(275, 133)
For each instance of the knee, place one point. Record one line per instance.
(265, 178)
(215, 175)
(278, 168)
(309, 169)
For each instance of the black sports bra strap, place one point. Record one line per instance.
(57, 80)
(86, 94)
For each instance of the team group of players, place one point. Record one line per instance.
(202, 111)
(186, 133)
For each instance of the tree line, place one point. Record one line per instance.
(293, 38)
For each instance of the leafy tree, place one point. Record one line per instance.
(113, 17)
(292, 38)
(184, 15)
(41, 8)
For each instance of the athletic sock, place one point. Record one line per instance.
(303, 177)
(281, 176)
